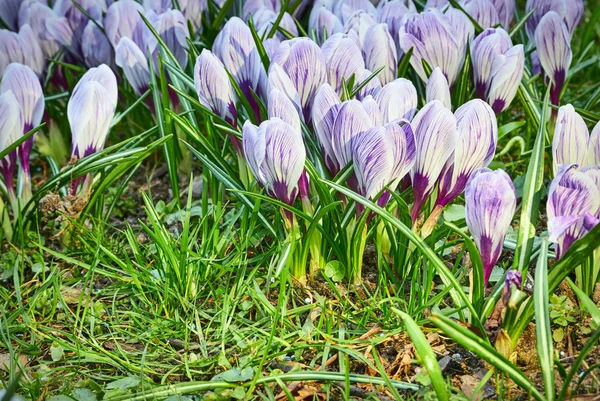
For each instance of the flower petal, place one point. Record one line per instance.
(571, 138)
(326, 106)
(134, 63)
(95, 47)
(397, 100)
(379, 50)
(482, 11)
(484, 48)
(351, 120)
(437, 89)
(343, 59)
(373, 161)
(505, 77)
(324, 23)
(254, 145)
(282, 107)
(123, 20)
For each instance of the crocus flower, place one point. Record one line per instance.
(358, 24)
(279, 79)
(123, 20)
(351, 120)
(434, 39)
(569, 11)
(265, 18)
(435, 138)
(134, 63)
(324, 23)
(235, 47)
(372, 86)
(379, 50)
(397, 100)
(382, 156)
(572, 143)
(475, 148)
(437, 89)
(505, 77)
(506, 11)
(95, 47)
(22, 48)
(275, 154)
(490, 203)
(251, 7)
(344, 9)
(77, 19)
(393, 13)
(91, 109)
(281, 106)
(343, 59)
(573, 207)
(172, 28)
(24, 84)
(513, 279)
(482, 11)
(11, 129)
(214, 87)
(9, 13)
(553, 43)
(36, 15)
(304, 63)
(325, 109)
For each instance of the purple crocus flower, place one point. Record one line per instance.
(482, 11)
(36, 15)
(214, 88)
(371, 88)
(275, 154)
(553, 43)
(77, 19)
(324, 23)
(490, 203)
(171, 27)
(397, 100)
(91, 109)
(344, 9)
(281, 106)
(484, 48)
(379, 50)
(506, 11)
(95, 47)
(123, 20)
(572, 143)
(393, 13)
(475, 148)
(569, 11)
(9, 13)
(351, 120)
(436, 137)
(513, 279)
(438, 40)
(24, 84)
(382, 156)
(279, 79)
(11, 129)
(325, 109)
(437, 89)
(22, 48)
(573, 206)
(134, 63)
(304, 63)
(235, 47)
(343, 59)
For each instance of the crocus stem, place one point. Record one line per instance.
(317, 261)
(243, 167)
(431, 221)
(295, 260)
(26, 193)
(357, 242)
(5, 221)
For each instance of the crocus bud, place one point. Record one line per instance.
(397, 100)
(436, 136)
(134, 63)
(513, 279)
(482, 11)
(11, 129)
(325, 109)
(214, 87)
(573, 207)
(95, 47)
(571, 141)
(553, 42)
(437, 89)
(123, 20)
(304, 63)
(505, 77)
(570, 11)
(351, 120)
(279, 79)
(433, 39)
(506, 11)
(484, 48)
(77, 19)
(490, 203)
(36, 15)
(324, 23)
(371, 88)
(275, 154)
(24, 84)
(194, 10)
(22, 48)
(379, 50)
(475, 148)
(91, 109)
(281, 106)
(343, 59)
(171, 27)
(357, 26)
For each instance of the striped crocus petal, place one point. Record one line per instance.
(571, 138)
(476, 146)
(304, 63)
(513, 278)
(482, 11)
(11, 129)
(279, 79)
(254, 150)
(506, 11)
(324, 23)
(343, 59)
(251, 7)
(397, 100)
(379, 50)
(439, 4)
(172, 28)
(9, 13)
(570, 12)
(345, 9)
(284, 159)
(123, 20)
(213, 86)
(392, 13)
(490, 203)
(158, 6)
(91, 109)
(370, 88)
(465, 31)
(372, 109)
(594, 173)
(358, 25)
(22, 48)
(325, 109)
(435, 41)
(10, 49)
(553, 43)
(95, 47)
(36, 15)
(77, 19)
(404, 151)
(134, 63)
(436, 136)
(194, 11)
(265, 18)
(506, 74)
(282, 107)
(372, 160)
(484, 49)
(437, 89)
(594, 146)
(572, 195)
(351, 120)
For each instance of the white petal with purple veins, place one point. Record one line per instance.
(324, 23)
(379, 50)
(373, 161)
(594, 147)
(506, 11)
(326, 106)
(134, 63)
(254, 150)
(351, 120)
(437, 89)
(95, 47)
(505, 77)
(343, 59)
(571, 138)
(397, 100)
(123, 20)
(282, 107)
(11, 129)
(24, 84)
(484, 48)
(482, 11)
